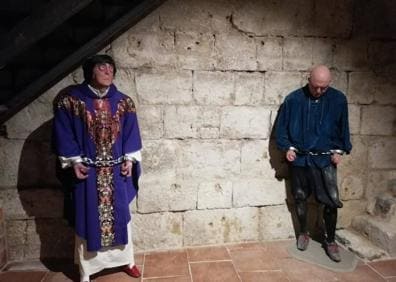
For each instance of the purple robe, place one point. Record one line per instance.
(92, 127)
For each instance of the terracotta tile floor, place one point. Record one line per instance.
(250, 262)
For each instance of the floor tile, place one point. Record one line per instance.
(22, 276)
(385, 267)
(264, 276)
(362, 272)
(220, 271)
(58, 277)
(248, 245)
(208, 254)
(298, 271)
(165, 264)
(118, 276)
(169, 279)
(246, 260)
(139, 259)
(277, 249)
(114, 274)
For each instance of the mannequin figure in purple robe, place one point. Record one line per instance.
(97, 137)
(313, 131)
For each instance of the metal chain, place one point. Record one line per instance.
(103, 163)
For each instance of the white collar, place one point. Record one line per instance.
(97, 92)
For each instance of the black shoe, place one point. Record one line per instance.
(332, 251)
(302, 241)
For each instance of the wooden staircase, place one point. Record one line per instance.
(41, 41)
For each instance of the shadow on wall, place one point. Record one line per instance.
(280, 165)
(49, 236)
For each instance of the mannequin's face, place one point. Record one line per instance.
(318, 86)
(102, 76)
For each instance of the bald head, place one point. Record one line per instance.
(319, 80)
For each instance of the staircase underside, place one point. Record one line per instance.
(41, 41)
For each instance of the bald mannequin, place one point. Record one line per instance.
(319, 80)
(312, 129)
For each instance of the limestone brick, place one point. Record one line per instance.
(269, 53)
(198, 16)
(258, 192)
(187, 121)
(195, 50)
(279, 84)
(352, 171)
(10, 150)
(3, 257)
(156, 231)
(378, 120)
(277, 165)
(208, 159)
(28, 203)
(379, 182)
(144, 49)
(15, 254)
(249, 88)
(322, 52)
(385, 89)
(215, 195)
(164, 87)
(354, 112)
(220, 226)
(361, 88)
(339, 81)
(149, 23)
(16, 233)
(382, 55)
(159, 158)
(125, 82)
(151, 122)
(209, 132)
(297, 53)
(352, 187)
(337, 21)
(366, 88)
(268, 17)
(29, 163)
(29, 119)
(256, 159)
(245, 122)
(355, 162)
(49, 238)
(166, 194)
(275, 223)
(381, 153)
(380, 232)
(40, 111)
(2, 223)
(351, 55)
(374, 19)
(235, 51)
(349, 211)
(213, 88)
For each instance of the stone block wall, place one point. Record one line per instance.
(3, 240)
(208, 78)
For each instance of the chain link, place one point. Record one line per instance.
(103, 163)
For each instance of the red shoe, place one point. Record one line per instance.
(134, 271)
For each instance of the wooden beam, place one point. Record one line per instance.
(46, 81)
(40, 23)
